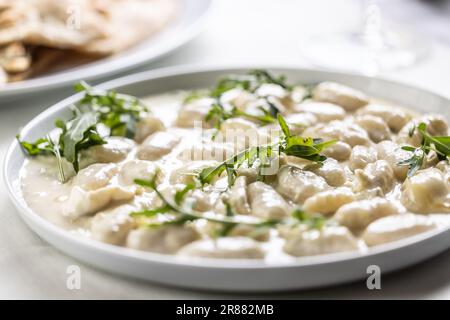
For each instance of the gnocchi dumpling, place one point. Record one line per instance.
(116, 149)
(157, 145)
(185, 174)
(327, 202)
(310, 242)
(350, 133)
(323, 111)
(147, 126)
(194, 113)
(265, 202)
(426, 191)
(375, 175)
(136, 169)
(238, 198)
(82, 202)
(348, 98)
(394, 154)
(340, 151)
(164, 239)
(375, 127)
(224, 248)
(298, 185)
(95, 176)
(393, 228)
(237, 98)
(113, 225)
(299, 121)
(361, 156)
(359, 214)
(395, 117)
(330, 170)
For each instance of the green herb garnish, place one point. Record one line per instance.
(79, 134)
(438, 144)
(75, 135)
(297, 146)
(301, 147)
(44, 146)
(182, 213)
(231, 165)
(249, 82)
(120, 113)
(313, 221)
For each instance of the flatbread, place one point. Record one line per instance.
(3, 76)
(48, 23)
(129, 22)
(15, 58)
(104, 26)
(44, 59)
(38, 36)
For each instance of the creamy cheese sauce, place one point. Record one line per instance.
(359, 189)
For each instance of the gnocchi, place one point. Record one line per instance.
(254, 168)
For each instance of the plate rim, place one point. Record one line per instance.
(201, 263)
(52, 81)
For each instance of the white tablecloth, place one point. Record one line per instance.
(246, 31)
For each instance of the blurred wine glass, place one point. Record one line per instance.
(372, 48)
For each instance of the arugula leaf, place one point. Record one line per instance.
(313, 221)
(263, 76)
(195, 95)
(41, 146)
(302, 147)
(180, 215)
(415, 162)
(297, 146)
(233, 163)
(438, 144)
(44, 146)
(77, 136)
(249, 82)
(441, 143)
(226, 227)
(57, 152)
(151, 212)
(217, 115)
(229, 83)
(284, 127)
(183, 214)
(118, 112)
(265, 118)
(181, 194)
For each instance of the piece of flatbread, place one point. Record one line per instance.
(44, 59)
(3, 76)
(15, 58)
(130, 21)
(100, 27)
(50, 23)
(38, 36)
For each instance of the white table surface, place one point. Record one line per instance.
(244, 31)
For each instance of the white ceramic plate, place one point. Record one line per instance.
(185, 26)
(231, 275)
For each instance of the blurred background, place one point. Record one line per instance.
(372, 37)
(403, 39)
